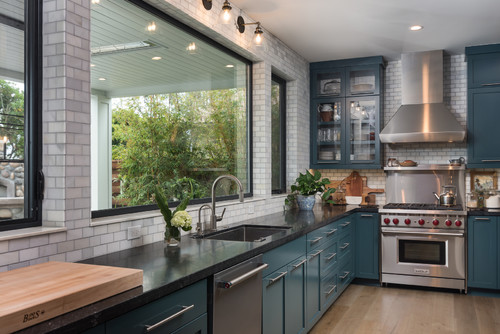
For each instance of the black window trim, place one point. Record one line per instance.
(282, 83)
(150, 207)
(33, 177)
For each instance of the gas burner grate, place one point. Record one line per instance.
(422, 206)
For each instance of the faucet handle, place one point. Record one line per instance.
(219, 218)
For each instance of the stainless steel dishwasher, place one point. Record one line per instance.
(238, 298)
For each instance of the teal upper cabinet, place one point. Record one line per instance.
(483, 73)
(345, 113)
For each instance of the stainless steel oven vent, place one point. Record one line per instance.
(422, 117)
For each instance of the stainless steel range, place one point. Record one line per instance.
(423, 243)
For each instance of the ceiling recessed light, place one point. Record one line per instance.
(92, 65)
(416, 28)
(95, 2)
(151, 27)
(229, 66)
(102, 79)
(156, 58)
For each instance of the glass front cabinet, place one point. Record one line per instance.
(345, 113)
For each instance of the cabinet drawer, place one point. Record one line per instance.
(321, 236)
(345, 226)
(182, 307)
(346, 275)
(344, 247)
(329, 258)
(329, 290)
(198, 326)
(284, 254)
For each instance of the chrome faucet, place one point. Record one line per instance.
(213, 217)
(198, 226)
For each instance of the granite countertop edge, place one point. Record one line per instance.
(97, 313)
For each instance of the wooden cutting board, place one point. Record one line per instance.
(40, 292)
(354, 185)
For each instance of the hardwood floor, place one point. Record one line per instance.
(370, 309)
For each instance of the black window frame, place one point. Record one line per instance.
(282, 84)
(150, 207)
(33, 176)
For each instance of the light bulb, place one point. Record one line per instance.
(151, 27)
(191, 48)
(225, 15)
(258, 38)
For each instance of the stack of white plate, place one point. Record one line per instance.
(326, 155)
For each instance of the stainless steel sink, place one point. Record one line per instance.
(252, 233)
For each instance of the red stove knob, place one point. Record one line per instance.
(407, 221)
(435, 222)
(395, 221)
(421, 221)
(387, 221)
(458, 223)
(448, 222)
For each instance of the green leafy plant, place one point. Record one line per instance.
(179, 218)
(309, 184)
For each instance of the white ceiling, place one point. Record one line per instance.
(332, 29)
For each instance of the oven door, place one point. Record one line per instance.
(423, 252)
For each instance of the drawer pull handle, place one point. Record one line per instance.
(329, 233)
(331, 256)
(344, 246)
(277, 278)
(366, 216)
(346, 224)
(316, 254)
(487, 219)
(242, 278)
(491, 84)
(345, 275)
(298, 265)
(490, 160)
(315, 240)
(331, 290)
(172, 317)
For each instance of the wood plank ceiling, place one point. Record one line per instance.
(134, 72)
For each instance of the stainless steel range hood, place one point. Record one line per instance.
(423, 117)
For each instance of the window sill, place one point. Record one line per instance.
(29, 232)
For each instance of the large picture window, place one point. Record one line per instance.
(169, 108)
(20, 143)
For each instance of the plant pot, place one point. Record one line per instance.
(306, 202)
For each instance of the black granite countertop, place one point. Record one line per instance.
(166, 270)
(483, 212)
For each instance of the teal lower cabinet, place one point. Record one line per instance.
(101, 329)
(367, 245)
(273, 307)
(329, 290)
(313, 292)
(295, 296)
(483, 247)
(187, 309)
(283, 297)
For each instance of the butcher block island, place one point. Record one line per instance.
(40, 292)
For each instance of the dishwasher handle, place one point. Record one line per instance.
(229, 284)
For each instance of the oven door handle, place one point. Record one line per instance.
(446, 234)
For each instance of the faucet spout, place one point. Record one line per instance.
(214, 218)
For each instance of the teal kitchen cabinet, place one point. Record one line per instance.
(483, 247)
(186, 310)
(295, 296)
(483, 75)
(283, 299)
(283, 289)
(367, 245)
(345, 113)
(313, 281)
(101, 329)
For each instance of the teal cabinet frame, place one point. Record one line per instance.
(367, 245)
(483, 248)
(320, 95)
(483, 116)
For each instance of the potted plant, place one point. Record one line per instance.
(175, 220)
(305, 188)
